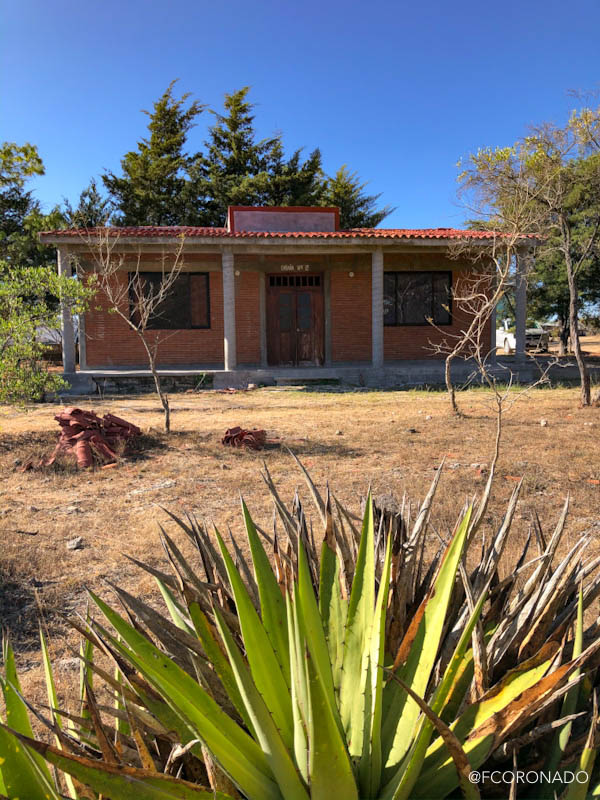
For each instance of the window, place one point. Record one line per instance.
(415, 298)
(187, 304)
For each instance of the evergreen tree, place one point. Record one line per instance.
(292, 182)
(159, 181)
(236, 167)
(21, 216)
(357, 209)
(93, 210)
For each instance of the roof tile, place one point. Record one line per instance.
(153, 231)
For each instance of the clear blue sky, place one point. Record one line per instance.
(397, 90)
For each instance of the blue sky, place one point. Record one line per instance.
(398, 91)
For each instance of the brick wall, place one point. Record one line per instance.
(350, 315)
(111, 343)
(420, 341)
(247, 317)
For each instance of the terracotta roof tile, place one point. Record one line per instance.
(153, 231)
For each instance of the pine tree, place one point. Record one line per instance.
(160, 180)
(236, 166)
(93, 210)
(292, 182)
(357, 209)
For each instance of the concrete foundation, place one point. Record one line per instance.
(405, 374)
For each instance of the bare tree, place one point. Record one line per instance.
(530, 188)
(475, 298)
(124, 286)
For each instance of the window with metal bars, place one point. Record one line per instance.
(295, 280)
(417, 298)
(186, 306)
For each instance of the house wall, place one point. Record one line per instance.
(350, 314)
(351, 310)
(110, 342)
(247, 317)
(420, 341)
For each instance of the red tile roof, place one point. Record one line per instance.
(156, 231)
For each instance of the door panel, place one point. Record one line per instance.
(295, 320)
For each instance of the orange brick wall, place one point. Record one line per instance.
(110, 342)
(419, 341)
(350, 316)
(247, 317)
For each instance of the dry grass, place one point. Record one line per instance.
(393, 440)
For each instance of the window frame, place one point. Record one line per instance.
(432, 273)
(187, 275)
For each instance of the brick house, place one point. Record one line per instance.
(280, 289)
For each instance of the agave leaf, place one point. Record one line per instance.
(418, 652)
(207, 635)
(484, 725)
(299, 688)
(267, 734)
(109, 752)
(576, 790)
(401, 786)
(358, 637)
(371, 760)
(263, 662)
(314, 492)
(20, 770)
(333, 607)
(239, 755)
(17, 718)
(272, 604)
(330, 768)
(117, 781)
(452, 744)
(311, 625)
(175, 608)
(561, 739)
(53, 703)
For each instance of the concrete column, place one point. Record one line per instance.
(229, 348)
(521, 303)
(262, 301)
(377, 307)
(66, 320)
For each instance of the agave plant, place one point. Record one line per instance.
(360, 671)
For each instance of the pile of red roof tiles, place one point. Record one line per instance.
(85, 436)
(238, 437)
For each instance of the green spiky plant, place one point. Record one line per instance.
(356, 672)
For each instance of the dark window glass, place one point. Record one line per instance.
(442, 299)
(199, 300)
(187, 304)
(415, 298)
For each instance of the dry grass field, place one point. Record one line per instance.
(391, 440)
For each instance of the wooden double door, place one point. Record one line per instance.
(295, 320)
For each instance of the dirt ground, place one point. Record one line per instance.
(391, 440)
